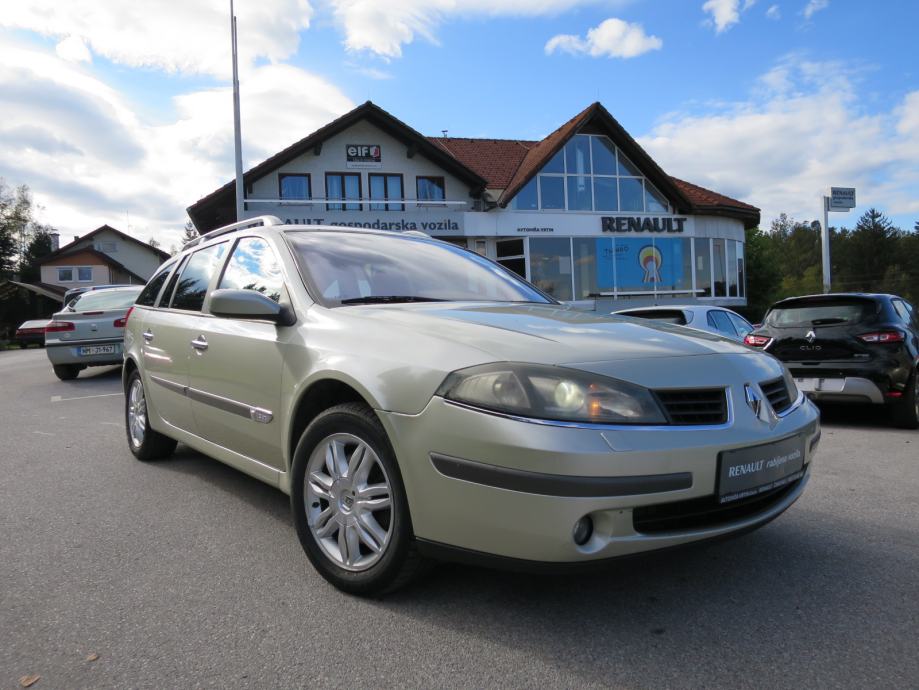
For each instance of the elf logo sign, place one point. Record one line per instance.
(364, 156)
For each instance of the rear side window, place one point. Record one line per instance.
(740, 324)
(824, 312)
(720, 322)
(253, 266)
(669, 316)
(148, 295)
(196, 276)
(104, 300)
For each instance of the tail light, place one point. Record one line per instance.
(882, 337)
(756, 340)
(59, 326)
(123, 321)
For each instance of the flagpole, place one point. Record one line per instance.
(240, 194)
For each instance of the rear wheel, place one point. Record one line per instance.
(349, 505)
(144, 442)
(66, 372)
(906, 409)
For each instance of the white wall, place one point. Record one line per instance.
(333, 158)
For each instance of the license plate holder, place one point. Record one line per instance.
(88, 350)
(754, 470)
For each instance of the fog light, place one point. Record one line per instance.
(583, 529)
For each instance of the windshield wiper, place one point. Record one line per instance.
(390, 299)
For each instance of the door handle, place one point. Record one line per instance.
(148, 335)
(199, 343)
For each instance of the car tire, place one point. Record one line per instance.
(906, 409)
(66, 372)
(347, 456)
(144, 442)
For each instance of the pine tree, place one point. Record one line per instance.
(190, 232)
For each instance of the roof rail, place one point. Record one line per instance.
(223, 230)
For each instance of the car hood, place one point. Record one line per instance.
(548, 334)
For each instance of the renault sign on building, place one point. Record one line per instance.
(585, 214)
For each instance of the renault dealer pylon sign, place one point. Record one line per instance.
(842, 198)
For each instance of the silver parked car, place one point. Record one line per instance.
(417, 401)
(89, 331)
(702, 317)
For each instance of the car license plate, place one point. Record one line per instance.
(752, 471)
(98, 350)
(813, 385)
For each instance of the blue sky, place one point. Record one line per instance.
(765, 101)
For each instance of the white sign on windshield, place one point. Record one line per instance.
(842, 198)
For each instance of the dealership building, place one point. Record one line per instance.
(585, 214)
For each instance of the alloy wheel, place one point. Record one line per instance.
(137, 413)
(348, 502)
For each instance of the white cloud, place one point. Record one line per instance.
(725, 13)
(801, 130)
(612, 38)
(190, 36)
(384, 27)
(90, 159)
(774, 12)
(814, 6)
(73, 49)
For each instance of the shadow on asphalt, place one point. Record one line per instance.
(855, 416)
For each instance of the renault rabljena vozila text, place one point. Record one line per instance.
(419, 402)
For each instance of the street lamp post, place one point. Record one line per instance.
(237, 136)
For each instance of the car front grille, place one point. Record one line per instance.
(705, 512)
(776, 390)
(695, 406)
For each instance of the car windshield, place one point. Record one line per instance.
(104, 300)
(348, 268)
(820, 313)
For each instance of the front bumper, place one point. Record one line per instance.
(602, 473)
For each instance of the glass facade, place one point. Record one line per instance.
(590, 174)
(580, 268)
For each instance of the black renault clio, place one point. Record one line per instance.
(848, 348)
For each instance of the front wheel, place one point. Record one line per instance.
(349, 504)
(144, 442)
(906, 409)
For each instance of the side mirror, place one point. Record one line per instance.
(249, 304)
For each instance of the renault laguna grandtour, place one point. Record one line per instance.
(419, 402)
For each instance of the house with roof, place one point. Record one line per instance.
(585, 213)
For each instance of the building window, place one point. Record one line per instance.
(550, 265)
(294, 186)
(107, 247)
(590, 174)
(84, 274)
(741, 278)
(594, 267)
(343, 186)
(512, 255)
(65, 275)
(718, 260)
(703, 267)
(430, 189)
(732, 268)
(385, 186)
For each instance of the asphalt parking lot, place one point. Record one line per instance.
(187, 573)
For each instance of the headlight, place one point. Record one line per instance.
(554, 393)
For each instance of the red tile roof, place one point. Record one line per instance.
(700, 196)
(495, 160)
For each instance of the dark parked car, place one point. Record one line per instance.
(31, 333)
(848, 348)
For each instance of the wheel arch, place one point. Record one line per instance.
(318, 395)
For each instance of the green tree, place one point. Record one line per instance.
(15, 217)
(39, 246)
(189, 233)
(764, 273)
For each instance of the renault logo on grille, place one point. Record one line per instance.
(761, 409)
(754, 399)
(810, 337)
